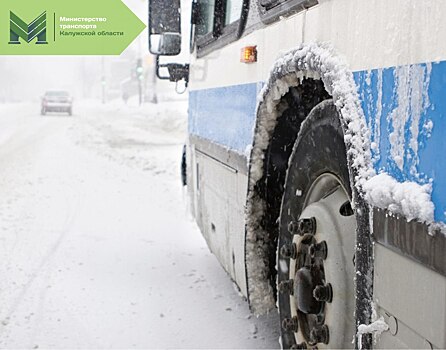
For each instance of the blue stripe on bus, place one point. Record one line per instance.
(226, 116)
(429, 162)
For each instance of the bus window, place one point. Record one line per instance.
(233, 11)
(218, 24)
(268, 4)
(207, 8)
(273, 10)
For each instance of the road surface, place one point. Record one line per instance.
(98, 249)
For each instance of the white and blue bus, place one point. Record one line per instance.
(316, 160)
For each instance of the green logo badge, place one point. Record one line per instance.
(28, 32)
(69, 27)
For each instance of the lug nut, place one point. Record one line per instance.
(300, 346)
(319, 250)
(323, 293)
(289, 251)
(303, 226)
(292, 227)
(320, 334)
(290, 324)
(307, 226)
(286, 287)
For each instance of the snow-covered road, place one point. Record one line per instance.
(97, 247)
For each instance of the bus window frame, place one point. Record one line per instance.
(284, 9)
(221, 34)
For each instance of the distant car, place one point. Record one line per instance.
(57, 101)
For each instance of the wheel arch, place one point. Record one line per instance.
(321, 63)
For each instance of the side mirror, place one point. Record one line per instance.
(165, 27)
(166, 44)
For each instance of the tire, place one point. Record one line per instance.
(316, 238)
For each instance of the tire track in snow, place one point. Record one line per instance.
(40, 268)
(29, 144)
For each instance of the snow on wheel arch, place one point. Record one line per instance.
(315, 61)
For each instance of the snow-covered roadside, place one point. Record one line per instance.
(140, 137)
(98, 250)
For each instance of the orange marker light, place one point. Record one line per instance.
(249, 54)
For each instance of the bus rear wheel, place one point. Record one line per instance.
(317, 238)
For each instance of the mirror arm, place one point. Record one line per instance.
(177, 71)
(158, 66)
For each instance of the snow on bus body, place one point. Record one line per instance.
(403, 105)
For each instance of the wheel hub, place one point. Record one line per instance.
(321, 272)
(307, 278)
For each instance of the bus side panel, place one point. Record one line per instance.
(412, 300)
(220, 133)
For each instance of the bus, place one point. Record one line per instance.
(316, 160)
